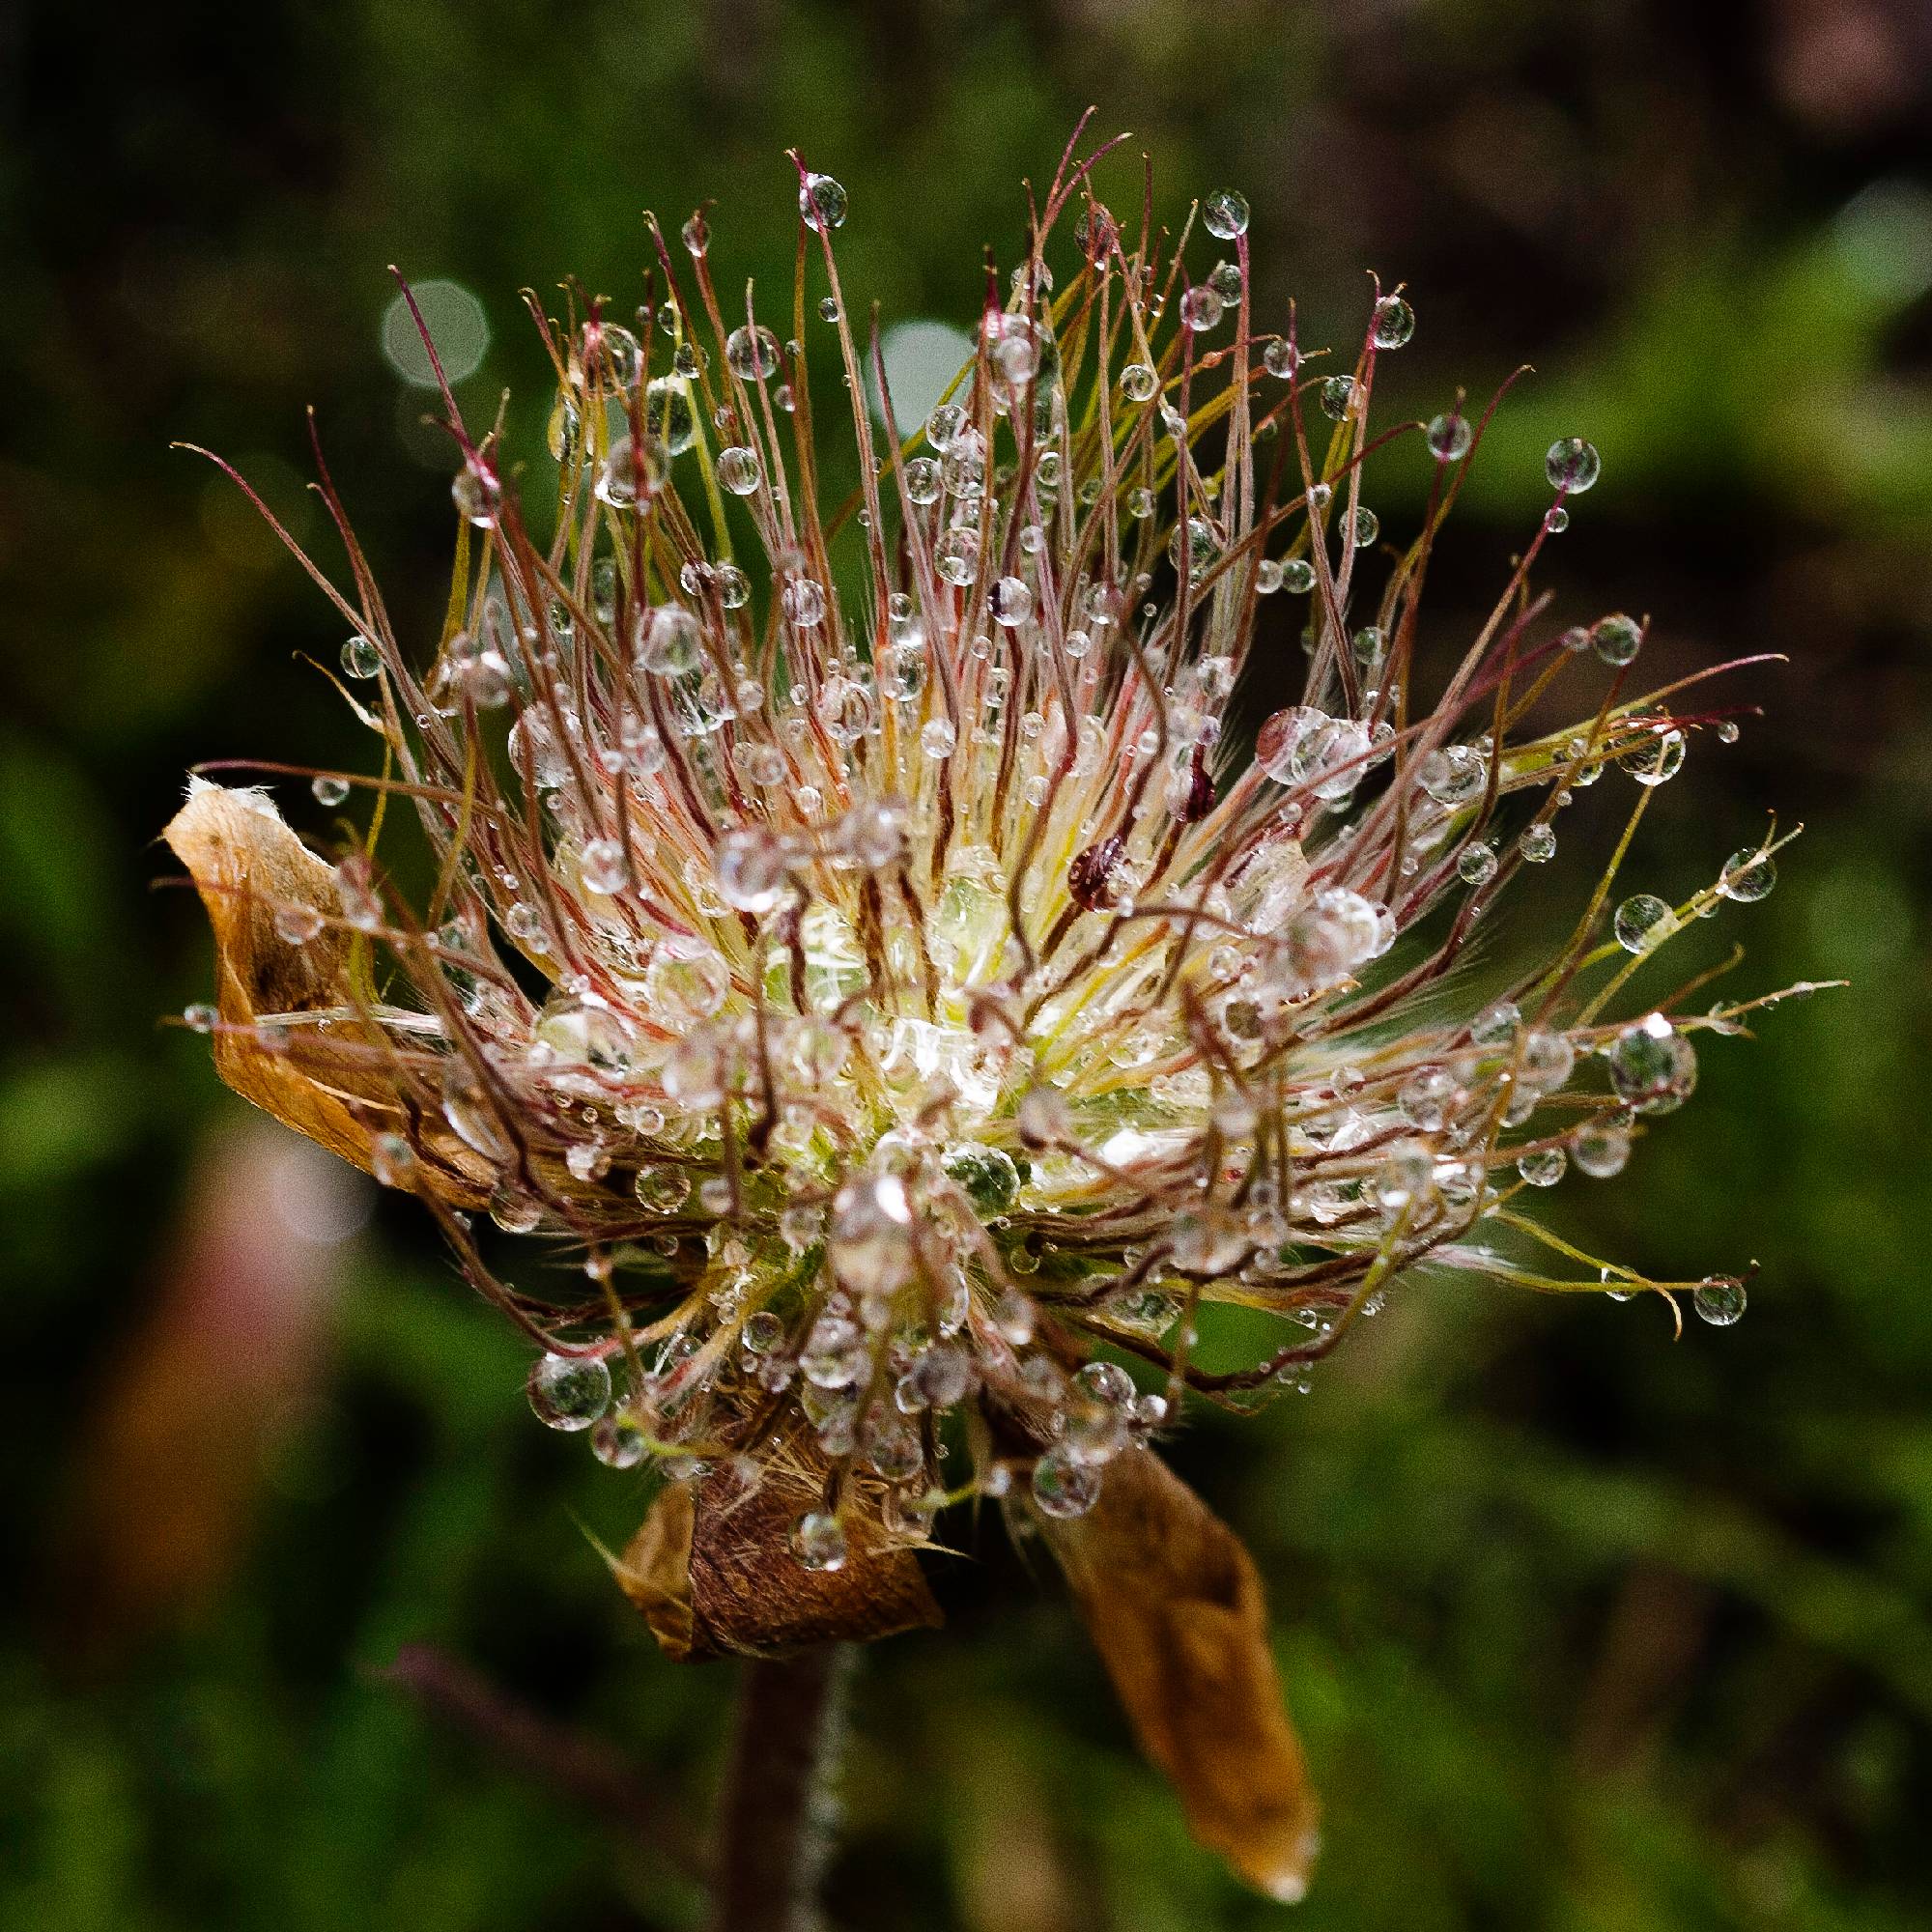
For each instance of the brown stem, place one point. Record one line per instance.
(774, 1816)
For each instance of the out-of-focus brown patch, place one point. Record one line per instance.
(332, 1086)
(713, 1570)
(1173, 1605)
(169, 1476)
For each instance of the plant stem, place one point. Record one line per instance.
(774, 1816)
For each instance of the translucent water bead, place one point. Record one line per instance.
(1062, 1487)
(821, 202)
(1225, 213)
(1449, 437)
(1747, 875)
(1572, 465)
(818, 1541)
(1720, 1301)
(1643, 922)
(569, 1391)
(1394, 322)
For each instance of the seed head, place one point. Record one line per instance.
(863, 944)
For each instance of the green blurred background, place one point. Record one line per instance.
(1584, 1629)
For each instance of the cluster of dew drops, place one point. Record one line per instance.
(1651, 1065)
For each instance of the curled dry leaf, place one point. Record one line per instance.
(339, 1084)
(1172, 1602)
(712, 1569)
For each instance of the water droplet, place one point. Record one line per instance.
(669, 417)
(1572, 465)
(1538, 843)
(1449, 437)
(924, 481)
(1657, 762)
(200, 1017)
(296, 922)
(630, 473)
(1394, 322)
(1337, 396)
(1617, 639)
(361, 657)
(1011, 602)
(1200, 308)
(604, 867)
(1476, 864)
(821, 202)
(804, 601)
(1225, 213)
(1454, 774)
(956, 556)
(1062, 1487)
(327, 791)
(661, 1187)
(569, 1392)
(739, 470)
(392, 1160)
(1720, 1300)
(619, 1441)
(468, 1110)
(1543, 1167)
(1497, 1024)
(1747, 875)
(818, 1541)
(1601, 1149)
(749, 866)
(669, 641)
(476, 494)
(752, 352)
(1643, 922)
(1652, 1066)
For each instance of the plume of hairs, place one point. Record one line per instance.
(864, 944)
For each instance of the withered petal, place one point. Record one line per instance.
(713, 1570)
(245, 864)
(1173, 1605)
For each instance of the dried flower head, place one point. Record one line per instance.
(864, 948)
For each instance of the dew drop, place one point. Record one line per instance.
(818, 1541)
(1476, 864)
(739, 470)
(1643, 922)
(821, 202)
(1337, 397)
(1064, 1488)
(1720, 1300)
(1200, 308)
(569, 1392)
(361, 657)
(1572, 465)
(1394, 322)
(1225, 213)
(1747, 875)
(1617, 639)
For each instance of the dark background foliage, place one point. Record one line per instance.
(1584, 1629)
